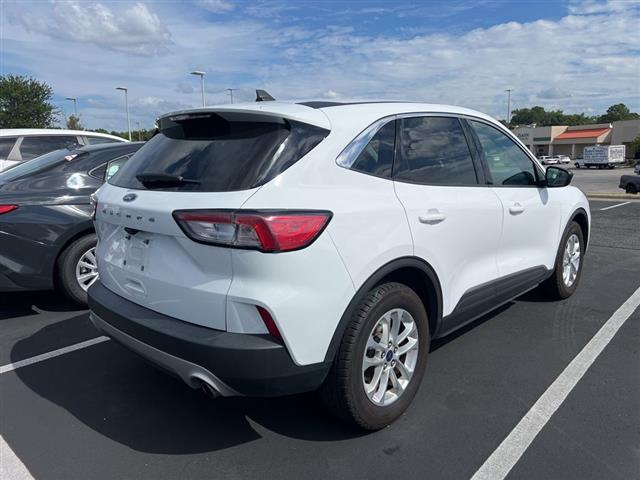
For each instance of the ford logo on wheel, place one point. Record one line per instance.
(129, 197)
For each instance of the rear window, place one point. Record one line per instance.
(37, 165)
(32, 147)
(220, 152)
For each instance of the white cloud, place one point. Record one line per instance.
(579, 62)
(132, 30)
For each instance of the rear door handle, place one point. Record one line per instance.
(432, 217)
(516, 208)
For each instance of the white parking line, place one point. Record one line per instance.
(55, 353)
(10, 465)
(502, 460)
(614, 206)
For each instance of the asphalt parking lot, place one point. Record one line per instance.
(600, 182)
(100, 412)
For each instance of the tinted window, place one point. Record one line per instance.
(39, 164)
(114, 166)
(376, 157)
(35, 146)
(434, 151)
(220, 152)
(6, 144)
(97, 140)
(508, 164)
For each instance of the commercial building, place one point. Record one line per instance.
(570, 141)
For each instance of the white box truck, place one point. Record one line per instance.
(601, 156)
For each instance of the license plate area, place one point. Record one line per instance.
(137, 248)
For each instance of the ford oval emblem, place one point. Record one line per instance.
(129, 197)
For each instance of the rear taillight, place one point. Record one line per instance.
(272, 232)
(7, 208)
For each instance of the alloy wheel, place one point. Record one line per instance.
(571, 260)
(87, 269)
(390, 357)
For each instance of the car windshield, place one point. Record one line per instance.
(37, 164)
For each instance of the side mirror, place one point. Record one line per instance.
(557, 177)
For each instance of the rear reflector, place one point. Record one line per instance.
(7, 208)
(269, 323)
(272, 232)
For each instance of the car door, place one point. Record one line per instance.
(454, 219)
(531, 217)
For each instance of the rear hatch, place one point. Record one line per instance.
(204, 159)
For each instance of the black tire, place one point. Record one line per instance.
(66, 268)
(555, 287)
(343, 390)
(631, 188)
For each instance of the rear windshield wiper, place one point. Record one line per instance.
(160, 180)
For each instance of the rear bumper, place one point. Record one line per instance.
(232, 363)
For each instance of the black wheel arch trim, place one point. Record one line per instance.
(383, 272)
(576, 213)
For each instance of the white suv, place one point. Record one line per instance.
(273, 248)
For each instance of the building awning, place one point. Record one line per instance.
(587, 133)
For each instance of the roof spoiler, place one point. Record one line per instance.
(263, 96)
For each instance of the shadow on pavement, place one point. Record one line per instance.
(120, 396)
(20, 304)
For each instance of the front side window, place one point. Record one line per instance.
(434, 151)
(508, 164)
(376, 158)
(32, 147)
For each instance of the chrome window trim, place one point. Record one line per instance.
(353, 150)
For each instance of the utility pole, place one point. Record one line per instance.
(200, 74)
(230, 90)
(126, 106)
(75, 105)
(508, 90)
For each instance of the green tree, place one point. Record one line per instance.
(73, 123)
(616, 112)
(634, 148)
(25, 103)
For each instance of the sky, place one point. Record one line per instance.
(574, 55)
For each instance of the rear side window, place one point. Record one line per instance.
(220, 152)
(6, 144)
(434, 151)
(376, 158)
(98, 140)
(32, 147)
(508, 164)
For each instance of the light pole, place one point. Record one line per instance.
(200, 74)
(230, 90)
(126, 106)
(75, 105)
(138, 127)
(508, 90)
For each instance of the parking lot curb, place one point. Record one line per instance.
(611, 196)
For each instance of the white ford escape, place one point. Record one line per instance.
(273, 248)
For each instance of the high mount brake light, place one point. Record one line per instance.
(281, 231)
(7, 208)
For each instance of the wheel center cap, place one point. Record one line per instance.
(389, 355)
